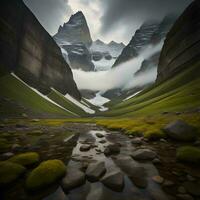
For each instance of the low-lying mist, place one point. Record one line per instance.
(121, 76)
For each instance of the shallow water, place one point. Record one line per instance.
(97, 191)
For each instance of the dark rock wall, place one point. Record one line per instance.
(182, 45)
(27, 49)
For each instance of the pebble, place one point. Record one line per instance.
(181, 190)
(158, 179)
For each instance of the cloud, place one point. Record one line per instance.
(119, 77)
(50, 13)
(130, 14)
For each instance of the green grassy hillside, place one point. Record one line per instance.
(17, 98)
(182, 92)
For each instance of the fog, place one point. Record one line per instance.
(121, 76)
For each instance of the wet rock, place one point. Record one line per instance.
(112, 149)
(102, 141)
(85, 147)
(99, 135)
(114, 180)
(158, 179)
(163, 140)
(156, 161)
(184, 197)
(181, 131)
(136, 173)
(139, 177)
(193, 188)
(95, 171)
(168, 183)
(17, 147)
(181, 190)
(190, 178)
(7, 155)
(74, 178)
(144, 154)
(136, 141)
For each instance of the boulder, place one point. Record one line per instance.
(85, 147)
(112, 149)
(47, 173)
(136, 173)
(188, 154)
(25, 159)
(136, 141)
(114, 180)
(181, 131)
(9, 172)
(144, 154)
(74, 178)
(95, 171)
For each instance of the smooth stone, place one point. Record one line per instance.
(114, 180)
(156, 161)
(181, 131)
(85, 147)
(144, 154)
(102, 141)
(168, 183)
(99, 135)
(184, 197)
(136, 141)
(158, 179)
(193, 188)
(74, 178)
(17, 147)
(181, 190)
(112, 149)
(95, 171)
(7, 155)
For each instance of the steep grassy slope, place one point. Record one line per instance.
(17, 98)
(65, 103)
(179, 93)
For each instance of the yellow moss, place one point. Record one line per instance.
(9, 172)
(45, 174)
(25, 159)
(189, 154)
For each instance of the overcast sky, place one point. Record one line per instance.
(107, 19)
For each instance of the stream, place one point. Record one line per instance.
(113, 163)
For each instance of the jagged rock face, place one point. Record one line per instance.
(113, 48)
(79, 57)
(182, 45)
(74, 31)
(148, 33)
(29, 51)
(74, 36)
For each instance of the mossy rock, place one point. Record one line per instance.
(48, 172)
(9, 172)
(26, 159)
(188, 154)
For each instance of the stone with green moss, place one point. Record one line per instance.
(9, 172)
(48, 172)
(188, 154)
(26, 159)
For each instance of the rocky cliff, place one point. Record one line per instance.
(28, 50)
(182, 45)
(150, 33)
(74, 37)
(74, 31)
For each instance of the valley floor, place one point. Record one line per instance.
(166, 177)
